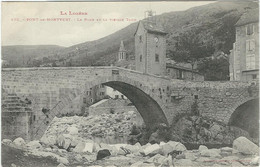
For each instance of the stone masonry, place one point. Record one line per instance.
(158, 99)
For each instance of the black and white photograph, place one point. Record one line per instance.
(130, 84)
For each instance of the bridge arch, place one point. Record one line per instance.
(246, 116)
(147, 103)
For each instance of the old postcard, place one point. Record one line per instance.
(151, 83)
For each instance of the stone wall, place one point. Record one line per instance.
(16, 124)
(158, 99)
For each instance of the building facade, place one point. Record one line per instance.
(244, 57)
(183, 73)
(150, 47)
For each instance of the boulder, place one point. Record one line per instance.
(226, 149)
(190, 155)
(255, 161)
(166, 149)
(210, 153)
(50, 140)
(56, 157)
(202, 147)
(157, 159)
(177, 146)
(152, 149)
(61, 165)
(103, 153)
(19, 142)
(90, 157)
(78, 158)
(6, 141)
(79, 147)
(184, 162)
(132, 148)
(73, 130)
(88, 147)
(34, 145)
(245, 146)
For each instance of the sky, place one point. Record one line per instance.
(25, 23)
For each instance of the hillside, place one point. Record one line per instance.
(23, 55)
(213, 22)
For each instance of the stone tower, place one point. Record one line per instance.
(122, 52)
(150, 46)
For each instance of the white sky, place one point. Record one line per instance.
(74, 32)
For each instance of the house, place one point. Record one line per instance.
(175, 71)
(150, 46)
(244, 57)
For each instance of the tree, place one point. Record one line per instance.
(190, 49)
(216, 69)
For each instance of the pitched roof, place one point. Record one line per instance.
(151, 27)
(251, 16)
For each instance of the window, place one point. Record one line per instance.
(250, 62)
(180, 74)
(140, 39)
(116, 96)
(91, 100)
(122, 96)
(156, 58)
(84, 100)
(250, 29)
(250, 45)
(141, 57)
(254, 76)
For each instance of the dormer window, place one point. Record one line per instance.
(249, 29)
(140, 39)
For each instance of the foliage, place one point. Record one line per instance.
(214, 69)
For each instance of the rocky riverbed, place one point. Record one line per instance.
(107, 128)
(89, 153)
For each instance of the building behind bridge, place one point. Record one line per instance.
(244, 57)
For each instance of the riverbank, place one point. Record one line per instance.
(88, 153)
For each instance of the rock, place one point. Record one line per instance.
(56, 157)
(226, 149)
(202, 147)
(73, 130)
(79, 147)
(180, 156)
(152, 149)
(184, 162)
(34, 145)
(132, 148)
(190, 155)
(50, 140)
(210, 153)
(63, 142)
(90, 157)
(102, 154)
(13, 165)
(96, 147)
(61, 165)
(166, 149)
(78, 158)
(157, 159)
(245, 146)
(19, 142)
(6, 141)
(177, 146)
(255, 161)
(75, 141)
(88, 147)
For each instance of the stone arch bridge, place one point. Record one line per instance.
(158, 99)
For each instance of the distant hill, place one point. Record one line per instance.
(213, 22)
(20, 55)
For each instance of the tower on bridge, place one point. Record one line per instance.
(122, 52)
(150, 46)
